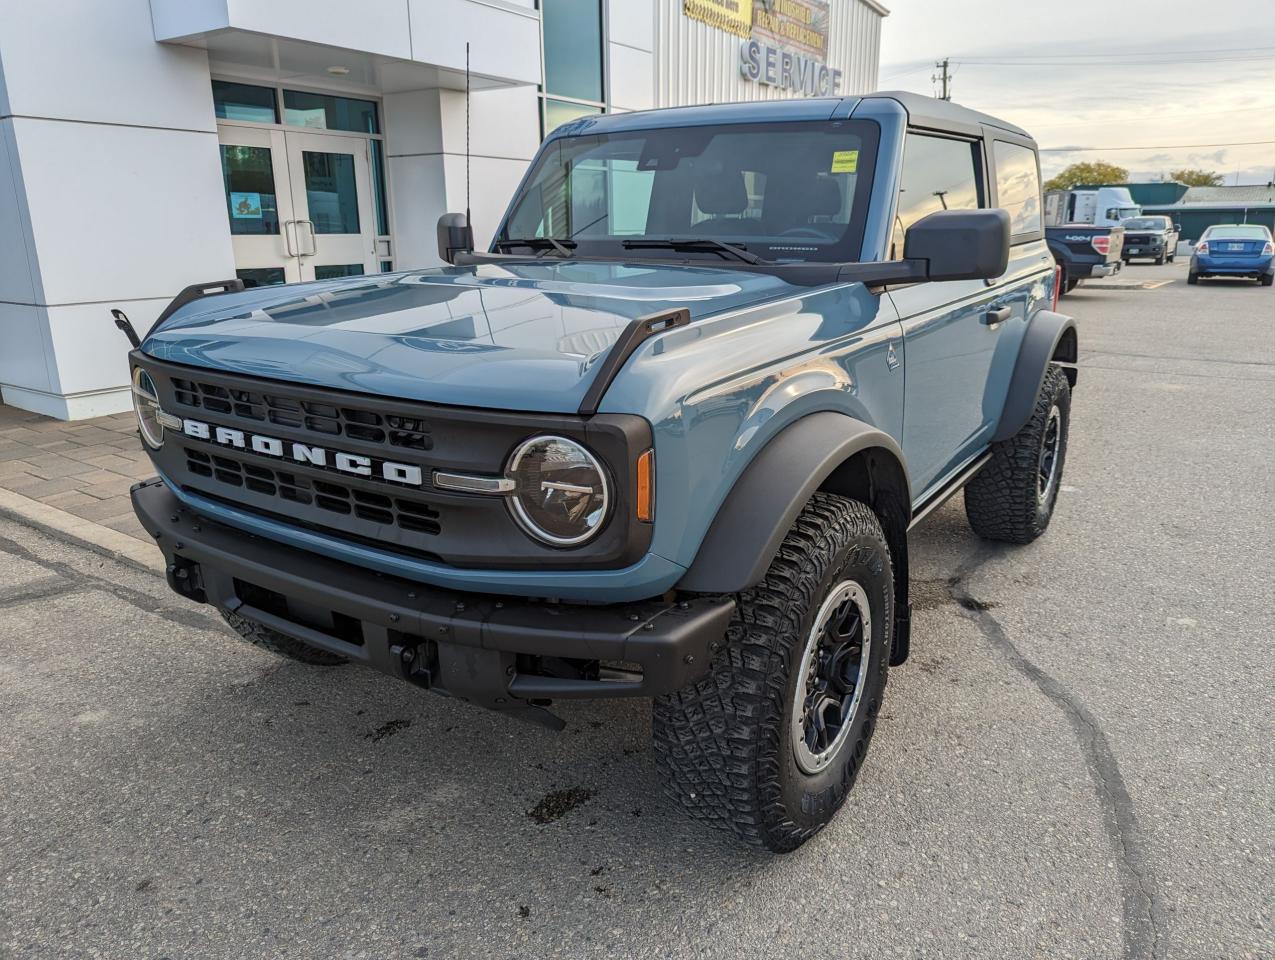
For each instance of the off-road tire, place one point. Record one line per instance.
(259, 635)
(1159, 261)
(1003, 499)
(724, 744)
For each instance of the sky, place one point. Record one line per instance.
(1183, 83)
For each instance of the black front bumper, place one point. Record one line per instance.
(505, 653)
(1151, 249)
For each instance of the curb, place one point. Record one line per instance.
(92, 535)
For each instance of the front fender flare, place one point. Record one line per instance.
(1049, 336)
(773, 489)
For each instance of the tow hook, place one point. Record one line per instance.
(183, 577)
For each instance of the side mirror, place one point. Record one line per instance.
(455, 235)
(1177, 228)
(960, 244)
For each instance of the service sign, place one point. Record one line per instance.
(784, 45)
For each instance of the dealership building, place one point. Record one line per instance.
(146, 145)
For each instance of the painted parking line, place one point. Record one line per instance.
(1125, 285)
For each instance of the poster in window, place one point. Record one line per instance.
(245, 206)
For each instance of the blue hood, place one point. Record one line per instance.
(519, 336)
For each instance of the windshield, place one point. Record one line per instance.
(1147, 223)
(789, 192)
(1236, 233)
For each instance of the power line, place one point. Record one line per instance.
(1124, 54)
(1115, 63)
(1160, 146)
(1198, 55)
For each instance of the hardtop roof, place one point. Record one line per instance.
(922, 111)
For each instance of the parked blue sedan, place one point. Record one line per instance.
(1234, 250)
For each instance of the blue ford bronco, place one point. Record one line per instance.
(665, 439)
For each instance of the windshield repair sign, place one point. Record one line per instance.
(788, 47)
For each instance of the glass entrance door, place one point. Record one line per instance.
(254, 173)
(300, 205)
(331, 187)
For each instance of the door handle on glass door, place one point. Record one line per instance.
(314, 239)
(994, 318)
(287, 237)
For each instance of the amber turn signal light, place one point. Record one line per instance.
(646, 486)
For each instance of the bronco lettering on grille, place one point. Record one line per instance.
(351, 463)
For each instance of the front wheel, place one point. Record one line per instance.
(769, 743)
(1012, 498)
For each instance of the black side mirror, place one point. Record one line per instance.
(455, 235)
(960, 244)
(1177, 228)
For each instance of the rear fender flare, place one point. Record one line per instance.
(1050, 338)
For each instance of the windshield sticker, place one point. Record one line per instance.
(845, 161)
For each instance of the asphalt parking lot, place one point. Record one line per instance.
(1076, 763)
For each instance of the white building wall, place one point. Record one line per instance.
(630, 54)
(111, 154)
(425, 144)
(698, 63)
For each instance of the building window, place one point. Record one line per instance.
(322, 111)
(572, 47)
(243, 101)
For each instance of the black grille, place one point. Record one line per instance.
(376, 499)
(407, 433)
(370, 506)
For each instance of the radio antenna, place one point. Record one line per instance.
(468, 220)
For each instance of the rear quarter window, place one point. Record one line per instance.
(1018, 188)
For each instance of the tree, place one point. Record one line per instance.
(1094, 172)
(1197, 178)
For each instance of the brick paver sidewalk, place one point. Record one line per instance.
(85, 467)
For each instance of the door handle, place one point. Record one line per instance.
(287, 237)
(314, 239)
(994, 318)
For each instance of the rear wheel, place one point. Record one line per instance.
(1012, 498)
(769, 744)
(279, 644)
(1193, 277)
(1268, 280)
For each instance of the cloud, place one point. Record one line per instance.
(1217, 157)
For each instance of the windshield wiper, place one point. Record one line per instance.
(694, 243)
(561, 247)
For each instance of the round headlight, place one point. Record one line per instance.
(561, 495)
(146, 405)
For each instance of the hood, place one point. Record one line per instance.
(519, 336)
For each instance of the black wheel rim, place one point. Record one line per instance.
(833, 674)
(1047, 466)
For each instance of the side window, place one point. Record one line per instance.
(938, 174)
(1018, 187)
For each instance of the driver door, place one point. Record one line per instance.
(951, 328)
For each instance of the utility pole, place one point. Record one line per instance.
(945, 77)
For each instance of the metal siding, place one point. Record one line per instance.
(696, 63)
